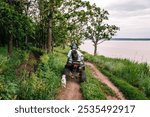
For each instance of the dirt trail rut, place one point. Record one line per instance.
(106, 81)
(71, 92)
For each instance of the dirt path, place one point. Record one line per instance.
(71, 92)
(106, 81)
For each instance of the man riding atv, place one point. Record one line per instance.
(75, 67)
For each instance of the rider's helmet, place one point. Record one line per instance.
(74, 46)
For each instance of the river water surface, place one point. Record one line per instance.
(133, 50)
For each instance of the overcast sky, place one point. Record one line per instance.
(132, 16)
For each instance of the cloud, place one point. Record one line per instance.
(128, 5)
(132, 16)
(127, 14)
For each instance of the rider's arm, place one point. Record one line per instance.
(80, 55)
(69, 54)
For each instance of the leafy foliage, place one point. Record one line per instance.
(8, 81)
(45, 82)
(14, 23)
(97, 30)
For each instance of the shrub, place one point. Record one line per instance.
(44, 59)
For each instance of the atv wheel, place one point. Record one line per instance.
(82, 76)
(67, 74)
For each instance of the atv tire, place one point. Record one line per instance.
(82, 76)
(67, 74)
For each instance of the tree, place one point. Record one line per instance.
(76, 13)
(60, 22)
(15, 25)
(47, 11)
(6, 23)
(97, 30)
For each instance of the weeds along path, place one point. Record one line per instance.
(106, 81)
(27, 65)
(71, 92)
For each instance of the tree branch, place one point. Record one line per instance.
(102, 41)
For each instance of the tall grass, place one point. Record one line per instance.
(133, 73)
(45, 82)
(8, 82)
(42, 84)
(91, 89)
(94, 89)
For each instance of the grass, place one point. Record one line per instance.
(42, 84)
(8, 81)
(45, 82)
(130, 92)
(92, 88)
(129, 76)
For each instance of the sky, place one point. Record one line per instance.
(132, 16)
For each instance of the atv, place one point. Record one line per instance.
(77, 71)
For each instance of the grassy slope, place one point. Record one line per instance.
(129, 76)
(8, 82)
(44, 83)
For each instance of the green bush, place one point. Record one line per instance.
(38, 87)
(8, 89)
(9, 85)
(45, 82)
(44, 58)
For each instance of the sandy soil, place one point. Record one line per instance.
(71, 92)
(106, 81)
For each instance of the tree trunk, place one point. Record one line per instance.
(63, 46)
(95, 49)
(0, 42)
(17, 44)
(26, 40)
(10, 45)
(49, 43)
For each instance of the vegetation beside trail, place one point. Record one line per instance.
(41, 84)
(93, 89)
(44, 83)
(132, 78)
(8, 82)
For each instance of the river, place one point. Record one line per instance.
(134, 50)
